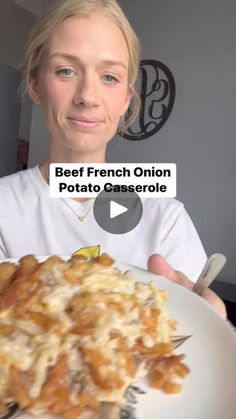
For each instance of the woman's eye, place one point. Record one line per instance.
(108, 78)
(65, 73)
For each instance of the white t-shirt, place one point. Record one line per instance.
(31, 222)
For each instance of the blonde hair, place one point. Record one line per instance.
(47, 25)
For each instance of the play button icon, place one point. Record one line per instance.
(116, 209)
(118, 215)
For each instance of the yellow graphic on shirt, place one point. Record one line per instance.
(91, 251)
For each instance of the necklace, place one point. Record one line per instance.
(81, 218)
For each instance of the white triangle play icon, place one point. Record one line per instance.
(116, 209)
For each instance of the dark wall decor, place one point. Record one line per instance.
(157, 92)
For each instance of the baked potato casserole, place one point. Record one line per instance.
(77, 333)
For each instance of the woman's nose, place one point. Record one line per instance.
(87, 92)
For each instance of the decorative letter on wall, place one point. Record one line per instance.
(157, 92)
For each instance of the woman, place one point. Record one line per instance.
(81, 65)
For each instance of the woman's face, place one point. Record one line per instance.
(83, 83)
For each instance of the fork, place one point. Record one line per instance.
(210, 271)
(13, 412)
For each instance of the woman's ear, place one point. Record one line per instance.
(33, 90)
(130, 94)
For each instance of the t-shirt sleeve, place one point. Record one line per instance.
(182, 247)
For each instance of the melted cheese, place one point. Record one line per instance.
(30, 348)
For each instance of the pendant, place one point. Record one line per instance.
(82, 218)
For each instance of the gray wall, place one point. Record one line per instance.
(196, 40)
(33, 6)
(39, 138)
(9, 119)
(26, 118)
(15, 24)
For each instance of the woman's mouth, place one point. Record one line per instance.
(84, 122)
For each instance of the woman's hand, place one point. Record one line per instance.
(158, 265)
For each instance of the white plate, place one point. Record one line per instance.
(209, 392)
